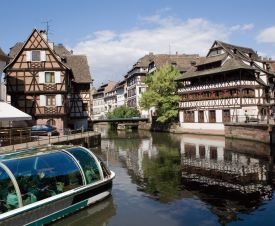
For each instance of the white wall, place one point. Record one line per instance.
(203, 126)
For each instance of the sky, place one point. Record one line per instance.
(115, 34)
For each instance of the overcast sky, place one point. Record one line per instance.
(114, 34)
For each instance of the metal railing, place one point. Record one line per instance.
(35, 141)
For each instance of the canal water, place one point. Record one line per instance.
(166, 179)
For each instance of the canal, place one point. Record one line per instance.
(167, 179)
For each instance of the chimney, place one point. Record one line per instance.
(44, 34)
(51, 45)
(176, 52)
(72, 51)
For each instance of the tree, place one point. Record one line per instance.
(161, 93)
(123, 112)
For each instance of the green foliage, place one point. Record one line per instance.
(163, 174)
(123, 112)
(161, 93)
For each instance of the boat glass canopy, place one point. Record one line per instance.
(42, 174)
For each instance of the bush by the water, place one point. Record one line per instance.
(123, 112)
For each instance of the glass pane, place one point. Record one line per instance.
(35, 55)
(88, 164)
(46, 175)
(8, 196)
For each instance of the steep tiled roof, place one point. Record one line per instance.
(183, 62)
(211, 59)
(80, 68)
(109, 87)
(61, 50)
(3, 56)
(229, 65)
(15, 49)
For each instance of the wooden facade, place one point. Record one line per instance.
(39, 81)
(230, 84)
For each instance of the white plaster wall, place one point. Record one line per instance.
(181, 116)
(203, 126)
(196, 116)
(218, 115)
(206, 116)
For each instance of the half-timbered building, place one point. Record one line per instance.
(230, 84)
(48, 82)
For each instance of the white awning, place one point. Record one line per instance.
(10, 113)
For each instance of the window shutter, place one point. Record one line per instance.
(57, 76)
(28, 55)
(58, 100)
(42, 100)
(43, 55)
(41, 77)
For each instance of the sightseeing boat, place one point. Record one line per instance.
(38, 186)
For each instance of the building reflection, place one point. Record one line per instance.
(225, 176)
(230, 176)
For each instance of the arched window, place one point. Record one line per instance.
(51, 122)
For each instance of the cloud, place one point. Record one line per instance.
(242, 27)
(267, 35)
(111, 54)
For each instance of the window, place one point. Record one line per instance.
(49, 77)
(44, 175)
(226, 115)
(189, 116)
(36, 55)
(213, 153)
(84, 106)
(8, 196)
(88, 164)
(201, 116)
(50, 100)
(212, 116)
(202, 151)
(190, 150)
(51, 122)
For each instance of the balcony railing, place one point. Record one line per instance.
(55, 110)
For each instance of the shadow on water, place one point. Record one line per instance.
(96, 215)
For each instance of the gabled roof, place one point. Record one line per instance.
(80, 68)
(21, 48)
(78, 64)
(229, 65)
(242, 52)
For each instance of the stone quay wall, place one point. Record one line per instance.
(254, 132)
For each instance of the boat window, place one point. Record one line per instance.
(88, 164)
(45, 175)
(8, 196)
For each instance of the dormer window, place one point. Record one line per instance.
(216, 52)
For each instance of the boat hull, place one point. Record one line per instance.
(58, 207)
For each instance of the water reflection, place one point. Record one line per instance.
(229, 176)
(97, 215)
(165, 179)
